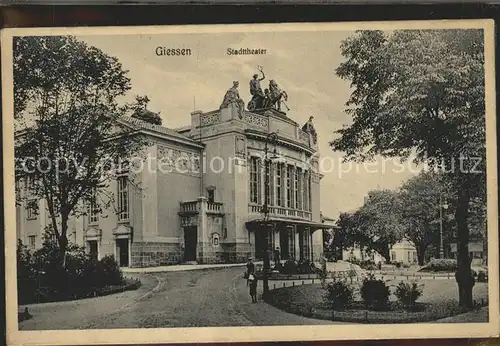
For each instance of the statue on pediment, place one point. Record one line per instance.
(309, 128)
(232, 96)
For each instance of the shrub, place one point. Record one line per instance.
(375, 293)
(441, 264)
(339, 294)
(408, 293)
(368, 265)
(406, 265)
(41, 278)
(482, 277)
(305, 267)
(290, 267)
(354, 260)
(398, 264)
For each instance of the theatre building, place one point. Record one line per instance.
(202, 198)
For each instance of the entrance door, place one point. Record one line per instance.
(190, 242)
(122, 250)
(284, 244)
(93, 249)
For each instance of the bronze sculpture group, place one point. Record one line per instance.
(262, 100)
(272, 97)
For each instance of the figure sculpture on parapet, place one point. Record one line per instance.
(270, 98)
(232, 96)
(309, 128)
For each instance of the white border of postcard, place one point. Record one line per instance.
(240, 334)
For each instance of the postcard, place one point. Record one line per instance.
(268, 182)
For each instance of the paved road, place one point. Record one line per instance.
(217, 297)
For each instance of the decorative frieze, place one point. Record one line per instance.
(257, 120)
(210, 119)
(304, 137)
(187, 221)
(175, 160)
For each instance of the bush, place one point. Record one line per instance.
(406, 265)
(368, 265)
(482, 277)
(440, 265)
(375, 293)
(305, 267)
(41, 278)
(408, 293)
(398, 265)
(290, 267)
(354, 260)
(339, 294)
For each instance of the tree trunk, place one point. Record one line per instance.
(463, 276)
(421, 254)
(63, 240)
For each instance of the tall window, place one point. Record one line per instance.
(123, 202)
(93, 208)
(289, 186)
(269, 174)
(297, 187)
(30, 185)
(32, 241)
(31, 209)
(279, 185)
(255, 180)
(307, 237)
(305, 191)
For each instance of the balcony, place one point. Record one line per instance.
(281, 212)
(196, 207)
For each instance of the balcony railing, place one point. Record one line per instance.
(195, 207)
(189, 207)
(281, 212)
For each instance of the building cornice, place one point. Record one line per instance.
(261, 135)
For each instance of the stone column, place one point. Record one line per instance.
(201, 228)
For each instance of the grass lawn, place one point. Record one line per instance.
(439, 300)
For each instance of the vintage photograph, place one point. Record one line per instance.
(319, 175)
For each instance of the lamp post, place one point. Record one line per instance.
(441, 207)
(270, 138)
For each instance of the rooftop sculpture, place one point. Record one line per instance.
(270, 98)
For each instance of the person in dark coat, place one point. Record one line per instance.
(253, 287)
(250, 270)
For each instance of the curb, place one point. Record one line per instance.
(175, 268)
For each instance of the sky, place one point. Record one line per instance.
(302, 63)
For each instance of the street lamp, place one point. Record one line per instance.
(270, 138)
(441, 207)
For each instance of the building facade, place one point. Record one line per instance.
(201, 197)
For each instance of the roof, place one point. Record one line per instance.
(158, 129)
(313, 225)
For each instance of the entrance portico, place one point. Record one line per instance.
(293, 238)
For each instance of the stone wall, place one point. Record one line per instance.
(148, 254)
(225, 253)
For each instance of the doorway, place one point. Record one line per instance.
(190, 243)
(122, 250)
(93, 250)
(284, 245)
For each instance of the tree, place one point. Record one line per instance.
(342, 237)
(140, 111)
(379, 222)
(420, 197)
(70, 147)
(420, 93)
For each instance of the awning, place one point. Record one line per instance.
(254, 224)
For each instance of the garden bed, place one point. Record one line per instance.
(436, 303)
